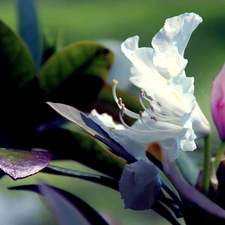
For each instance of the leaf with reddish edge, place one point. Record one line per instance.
(20, 164)
(91, 127)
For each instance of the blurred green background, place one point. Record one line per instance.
(118, 19)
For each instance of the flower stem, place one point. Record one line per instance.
(219, 155)
(206, 167)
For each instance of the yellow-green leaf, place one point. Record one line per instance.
(76, 72)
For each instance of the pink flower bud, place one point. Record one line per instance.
(218, 103)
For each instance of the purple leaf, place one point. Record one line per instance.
(67, 207)
(183, 188)
(62, 209)
(20, 164)
(91, 127)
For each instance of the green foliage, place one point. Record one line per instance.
(73, 69)
(82, 58)
(74, 75)
(16, 65)
(63, 76)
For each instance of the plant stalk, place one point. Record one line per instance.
(206, 166)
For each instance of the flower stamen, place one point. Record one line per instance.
(153, 115)
(122, 112)
(120, 102)
(151, 110)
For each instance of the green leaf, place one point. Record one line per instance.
(103, 180)
(65, 75)
(29, 28)
(82, 148)
(91, 127)
(16, 65)
(20, 164)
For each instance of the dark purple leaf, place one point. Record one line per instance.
(171, 204)
(186, 191)
(62, 209)
(172, 195)
(164, 212)
(91, 127)
(20, 164)
(88, 212)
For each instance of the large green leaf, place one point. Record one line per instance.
(16, 65)
(76, 73)
(21, 164)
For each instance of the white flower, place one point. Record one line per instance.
(161, 67)
(140, 182)
(170, 116)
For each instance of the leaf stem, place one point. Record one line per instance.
(206, 167)
(219, 155)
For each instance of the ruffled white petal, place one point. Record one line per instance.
(176, 32)
(139, 185)
(170, 42)
(165, 59)
(141, 58)
(172, 137)
(201, 125)
(160, 72)
(105, 121)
